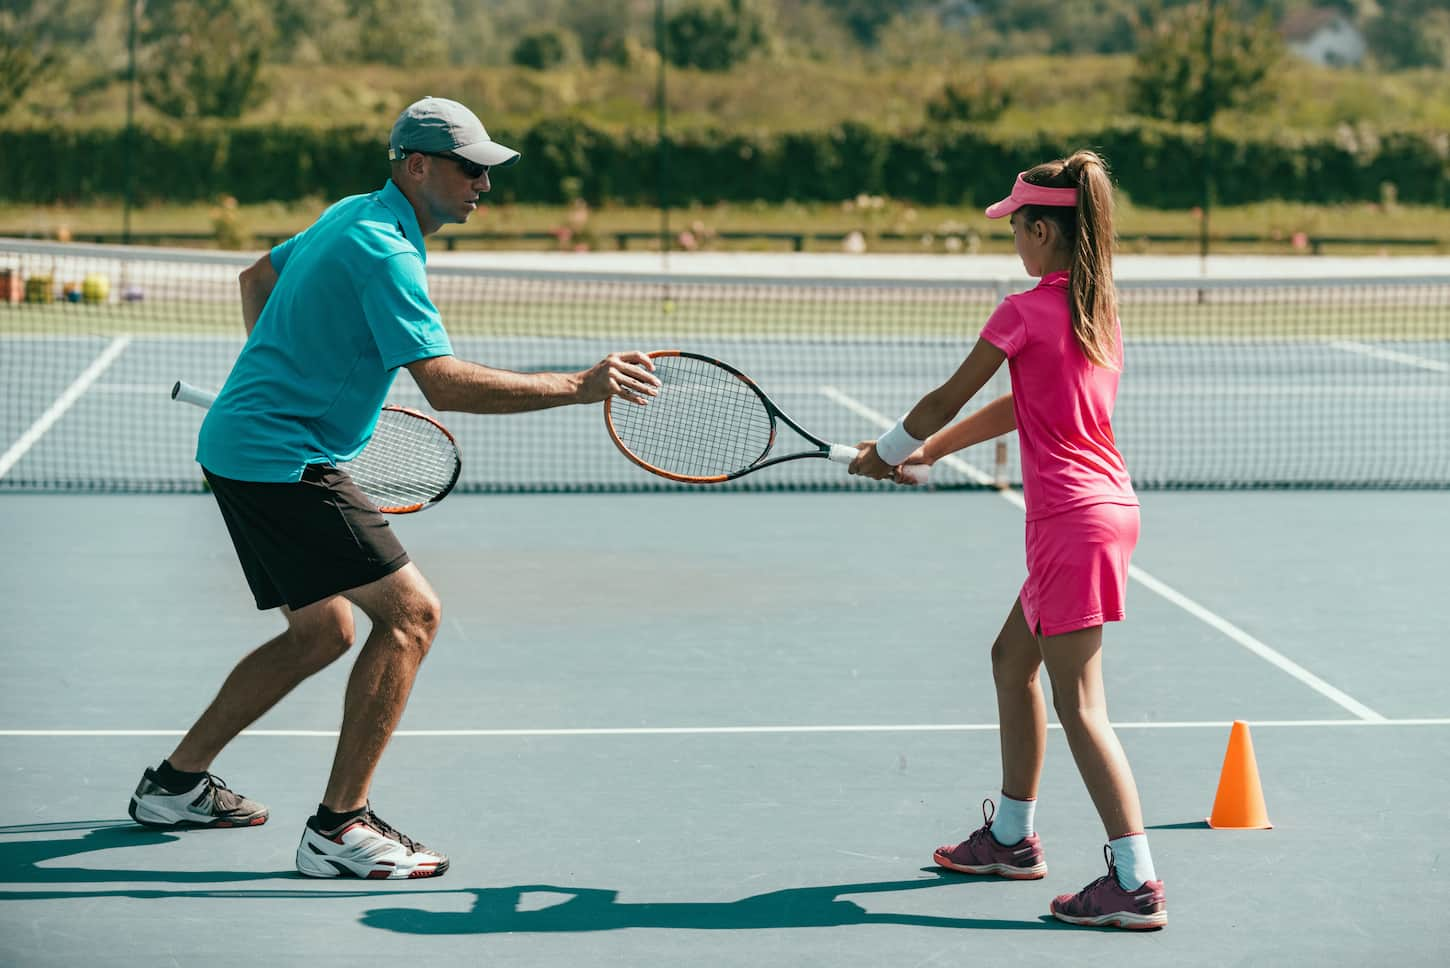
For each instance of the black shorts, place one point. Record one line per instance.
(300, 543)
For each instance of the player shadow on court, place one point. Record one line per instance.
(28, 861)
(495, 910)
(498, 911)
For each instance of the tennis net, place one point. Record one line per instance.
(1250, 383)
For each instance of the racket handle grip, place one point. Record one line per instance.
(915, 473)
(183, 392)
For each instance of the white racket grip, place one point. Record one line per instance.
(842, 453)
(184, 392)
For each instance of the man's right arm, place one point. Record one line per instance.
(449, 383)
(257, 281)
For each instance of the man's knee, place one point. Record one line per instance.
(427, 616)
(404, 610)
(416, 620)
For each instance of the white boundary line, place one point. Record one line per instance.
(1213, 620)
(1258, 648)
(718, 730)
(63, 403)
(1363, 349)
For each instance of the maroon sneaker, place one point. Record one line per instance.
(1104, 903)
(981, 854)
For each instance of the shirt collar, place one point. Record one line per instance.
(1058, 278)
(396, 202)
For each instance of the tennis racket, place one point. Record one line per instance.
(710, 423)
(411, 462)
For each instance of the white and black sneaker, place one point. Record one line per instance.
(365, 846)
(207, 804)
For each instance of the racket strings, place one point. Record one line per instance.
(704, 422)
(408, 461)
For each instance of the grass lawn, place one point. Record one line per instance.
(886, 225)
(514, 312)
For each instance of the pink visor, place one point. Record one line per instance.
(1025, 193)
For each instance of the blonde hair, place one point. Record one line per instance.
(1088, 228)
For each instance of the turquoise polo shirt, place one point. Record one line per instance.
(350, 306)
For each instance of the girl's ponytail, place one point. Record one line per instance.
(1091, 291)
(1088, 229)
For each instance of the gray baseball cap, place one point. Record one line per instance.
(436, 124)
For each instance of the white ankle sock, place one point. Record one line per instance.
(1133, 861)
(1013, 820)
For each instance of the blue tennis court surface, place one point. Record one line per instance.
(678, 729)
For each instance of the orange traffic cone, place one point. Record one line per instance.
(1239, 804)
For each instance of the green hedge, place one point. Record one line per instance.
(1157, 165)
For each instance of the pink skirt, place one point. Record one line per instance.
(1077, 567)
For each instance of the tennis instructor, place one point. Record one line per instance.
(331, 315)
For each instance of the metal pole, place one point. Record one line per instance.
(130, 125)
(663, 146)
(1209, 109)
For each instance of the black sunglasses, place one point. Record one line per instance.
(472, 169)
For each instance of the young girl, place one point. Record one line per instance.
(1064, 351)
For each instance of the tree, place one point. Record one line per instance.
(909, 40)
(865, 18)
(39, 38)
(714, 35)
(1410, 33)
(1169, 78)
(545, 49)
(978, 98)
(402, 34)
(22, 59)
(808, 30)
(603, 28)
(202, 58)
(313, 32)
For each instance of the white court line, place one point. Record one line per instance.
(1213, 620)
(1350, 346)
(1258, 648)
(722, 730)
(63, 403)
(1267, 390)
(1177, 390)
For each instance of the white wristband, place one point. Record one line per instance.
(896, 444)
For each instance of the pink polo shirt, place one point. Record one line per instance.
(1063, 404)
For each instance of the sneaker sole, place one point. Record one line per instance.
(159, 822)
(1124, 920)
(1006, 871)
(318, 860)
(327, 867)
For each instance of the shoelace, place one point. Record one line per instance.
(989, 810)
(392, 833)
(979, 835)
(1111, 875)
(225, 797)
